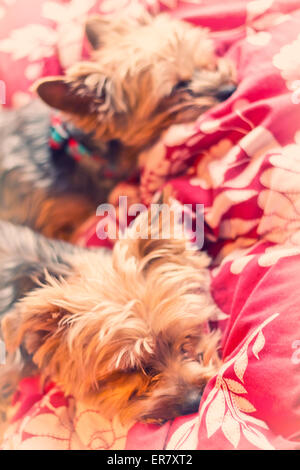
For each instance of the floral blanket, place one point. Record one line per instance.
(242, 161)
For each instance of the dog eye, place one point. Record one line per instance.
(185, 350)
(200, 357)
(181, 85)
(149, 371)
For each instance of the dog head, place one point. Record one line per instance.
(145, 75)
(126, 331)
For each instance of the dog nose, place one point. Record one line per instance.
(225, 92)
(191, 402)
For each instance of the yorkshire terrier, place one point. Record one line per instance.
(145, 75)
(126, 329)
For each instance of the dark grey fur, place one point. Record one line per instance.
(30, 172)
(24, 258)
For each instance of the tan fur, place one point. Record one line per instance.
(126, 332)
(60, 216)
(145, 75)
(54, 215)
(128, 90)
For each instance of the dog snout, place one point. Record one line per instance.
(191, 402)
(225, 92)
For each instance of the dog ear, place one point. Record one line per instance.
(99, 28)
(158, 232)
(95, 29)
(27, 260)
(36, 329)
(59, 93)
(83, 94)
(28, 326)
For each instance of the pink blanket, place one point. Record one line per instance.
(242, 160)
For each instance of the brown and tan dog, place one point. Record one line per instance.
(126, 330)
(145, 75)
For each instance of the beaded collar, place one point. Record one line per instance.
(62, 139)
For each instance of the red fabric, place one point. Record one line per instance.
(29, 392)
(241, 160)
(40, 38)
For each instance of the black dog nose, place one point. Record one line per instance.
(191, 402)
(225, 92)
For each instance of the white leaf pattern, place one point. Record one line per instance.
(225, 407)
(257, 439)
(253, 420)
(259, 344)
(231, 429)
(215, 414)
(186, 436)
(257, 7)
(240, 366)
(31, 41)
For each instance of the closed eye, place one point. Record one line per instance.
(149, 371)
(180, 85)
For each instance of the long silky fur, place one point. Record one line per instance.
(50, 195)
(118, 103)
(125, 330)
(25, 257)
(120, 330)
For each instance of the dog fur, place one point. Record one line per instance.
(145, 75)
(126, 330)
